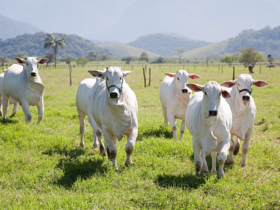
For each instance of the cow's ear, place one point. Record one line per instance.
(260, 83)
(229, 84)
(20, 60)
(43, 60)
(195, 88)
(193, 76)
(225, 93)
(170, 74)
(125, 73)
(97, 73)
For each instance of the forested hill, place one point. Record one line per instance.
(165, 45)
(11, 28)
(33, 45)
(266, 41)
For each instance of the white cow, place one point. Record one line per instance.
(23, 83)
(209, 120)
(174, 97)
(244, 111)
(114, 108)
(85, 89)
(11, 101)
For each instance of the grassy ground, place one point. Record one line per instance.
(43, 167)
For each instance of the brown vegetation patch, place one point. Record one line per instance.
(259, 123)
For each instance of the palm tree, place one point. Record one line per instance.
(52, 42)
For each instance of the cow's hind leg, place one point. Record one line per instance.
(182, 129)
(82, 116)
(197, 157)
(26, 111)
(230, 159)
(5, 98)
(223, 156)
(40, 108)
(130, 146)
(213, 155)
(204, 166)
(237, 146)
(15, 109)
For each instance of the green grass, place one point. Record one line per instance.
(43, 167)
(120, 50)
(211, 49)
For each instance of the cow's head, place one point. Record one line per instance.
(212, 93)
(114, 77)
(31, 65)
(244, 85)
(181, 79)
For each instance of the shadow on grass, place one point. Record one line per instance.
(160, 131)
(74, 169)
(7, 121)
(73, 153)
(183, 180)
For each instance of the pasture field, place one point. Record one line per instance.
(43, 167)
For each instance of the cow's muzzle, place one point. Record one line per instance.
(33, 74)
(246, 98)
(184, 90)
(113, 95)
(213, 113)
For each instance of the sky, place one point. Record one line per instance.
(125, 20)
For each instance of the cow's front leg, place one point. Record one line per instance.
(172, 120)
(40, 108)
(204, 167)
(223, 156)
(15, 109)
(5, 104)
(197, 157)
(182, 129)
(213, 155)
(111, 142)
(245, 146)
(237, 146)
(230, 159)
(26, 111)
(130, 145)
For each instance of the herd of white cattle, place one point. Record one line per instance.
(213, 114)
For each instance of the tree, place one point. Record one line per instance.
(270, 59)
(93, 56)
(230, 59)
(144, 57)
(68, 59)
(250, 57)
(52, 42)
(179, 53)
(129, 58)
(82, 61)
(105, 57)
(49, 56)
(21, 55)
(160, 59)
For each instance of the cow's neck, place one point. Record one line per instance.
(122, 119)
(239, 107)
(34, 82)
(182, 98)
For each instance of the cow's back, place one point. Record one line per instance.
(83, 94)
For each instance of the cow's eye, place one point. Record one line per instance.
(107, 79)
(220, 94)
(27, 64)
(205, 93)
(178, 78)
(120, 78)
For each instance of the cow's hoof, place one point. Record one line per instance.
(243, 165)
(95, 147)
(127, 164)
(82, 145)
(236, 150)
(102, 150)
(229, 161)
(220, 175)
(213, 171)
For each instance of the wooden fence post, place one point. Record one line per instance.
(150, 76)
(260, 69)
(233, 76)
(144, 77)
(70, 73)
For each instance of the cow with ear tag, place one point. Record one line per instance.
(244, 111)
(113, 107)
(23, 83)
(209, 120)
(174, 97)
